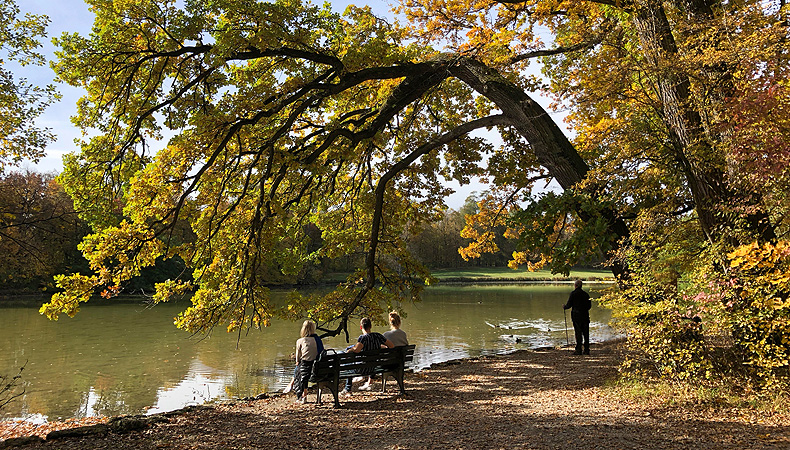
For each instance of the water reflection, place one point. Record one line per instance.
(127, 359)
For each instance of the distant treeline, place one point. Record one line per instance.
(39, 235)
(40, 232)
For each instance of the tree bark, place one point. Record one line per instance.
(683, 122)
(552, 148)
(687, 134)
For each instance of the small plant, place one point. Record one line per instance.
(9, 388)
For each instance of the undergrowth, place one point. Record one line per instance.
(708, 394)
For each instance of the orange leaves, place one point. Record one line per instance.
(759, 256)
(110, 292)
(493, 213)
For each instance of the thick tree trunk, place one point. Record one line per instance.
(688, 137)
(551, 147)
(684, 123)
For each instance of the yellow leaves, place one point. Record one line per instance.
(119, 253)
(517, 259)
(762, 315)
(479, 228)
(768, 262)
(116, 255)
(742, 254)
(523, 259)
(169, 289)
(156, 189)
(482, 243)
(77, 288)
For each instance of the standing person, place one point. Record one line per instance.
(308, 347)
(395, 334)
(367, 341)
(580, 304)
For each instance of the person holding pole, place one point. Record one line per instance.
(579, 303)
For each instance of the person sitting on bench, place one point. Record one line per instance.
(367, 341)
(395, 334)
(308, 347)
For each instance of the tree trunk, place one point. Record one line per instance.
(689, 141)
(551, 147)
(683, 122)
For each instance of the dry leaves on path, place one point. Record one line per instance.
(527, 400)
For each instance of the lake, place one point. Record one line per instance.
(130, 359)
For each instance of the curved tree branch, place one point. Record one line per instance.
(381, 186)
(551, 147)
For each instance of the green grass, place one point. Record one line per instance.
(502, 274)
(505, 273)
(699, 394)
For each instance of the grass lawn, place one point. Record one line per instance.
(474, 274)
(505, 273)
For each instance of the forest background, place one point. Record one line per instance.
(238, 144)
(41, 238)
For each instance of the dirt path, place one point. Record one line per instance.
(528, 400)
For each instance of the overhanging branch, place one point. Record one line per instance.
(381, 186)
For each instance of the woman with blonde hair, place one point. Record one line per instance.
(396, 335)
(308, 347)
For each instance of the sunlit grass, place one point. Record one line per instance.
(662, 393)
(475, 274)
(483, 273)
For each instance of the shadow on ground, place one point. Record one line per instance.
(529, 400)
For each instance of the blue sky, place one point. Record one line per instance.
(65, 15)
(75, 16)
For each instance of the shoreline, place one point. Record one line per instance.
(529, 399)
(276, 393)
(93, 424)
(25, 299)
(38, 433)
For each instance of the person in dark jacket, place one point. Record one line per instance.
(367, 341)
(579, 303)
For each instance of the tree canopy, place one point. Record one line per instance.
(257, 122)
(20, 102)
(39, 232)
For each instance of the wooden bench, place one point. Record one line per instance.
(330, 368)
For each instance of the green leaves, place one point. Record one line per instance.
(20, 102)
(280, 120)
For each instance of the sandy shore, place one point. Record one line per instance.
(547, 399)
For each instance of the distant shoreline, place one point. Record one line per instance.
(472, 280)
(27, 300)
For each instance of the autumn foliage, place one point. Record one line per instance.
(229, 134)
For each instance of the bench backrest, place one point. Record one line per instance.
(330, 363)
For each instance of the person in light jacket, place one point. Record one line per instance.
(308, 347)
(395, 334)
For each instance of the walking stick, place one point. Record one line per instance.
(567, 340)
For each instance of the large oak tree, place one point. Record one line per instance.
(257, 122)
(280, 115)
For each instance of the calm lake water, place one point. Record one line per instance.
(130, 359)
